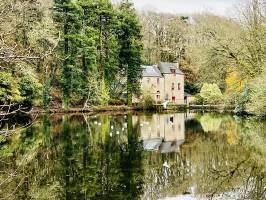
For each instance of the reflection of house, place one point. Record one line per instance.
(163, 82)
(164, 132)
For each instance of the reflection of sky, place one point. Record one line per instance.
(220, 7)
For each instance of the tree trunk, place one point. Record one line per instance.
(66, 91)
(129, 94)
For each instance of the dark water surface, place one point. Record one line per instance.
(135, 156)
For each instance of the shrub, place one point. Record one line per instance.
(9, 89)
(116, 102)
(30, 89)
(147, 102)
(257, 101)
(199, 100)
(241, 101)
(211, 93)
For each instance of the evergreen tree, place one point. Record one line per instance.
(67, 15)
(130, 40)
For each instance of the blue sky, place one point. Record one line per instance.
(219, 7)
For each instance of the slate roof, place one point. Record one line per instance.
(151, 71)
(165, 68)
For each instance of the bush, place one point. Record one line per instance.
(211, 94)
(116, 102)
(9, 89)
(147, 102)
(257, 101)
(241, 100)
(199, 100)
(30, 89)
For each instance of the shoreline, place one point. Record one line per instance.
(125, 108)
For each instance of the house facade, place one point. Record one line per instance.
(163, 82)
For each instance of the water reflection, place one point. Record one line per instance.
(136, 156)
(161, 132)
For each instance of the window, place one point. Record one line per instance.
(179, 86)
(158, 95)
(166, 97)
(173, 86)
(173, 71)
(172, 119)
(173, 98)
(148, 80)
(158, 81)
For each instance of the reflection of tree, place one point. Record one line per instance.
(131, 164)
(75, 157)
(210, 165)
(210, 123)
(223, 169)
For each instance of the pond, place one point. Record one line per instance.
(149, 156)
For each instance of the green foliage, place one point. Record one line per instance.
(116, 102)
(199, 99)
(67, 15)
(211, 93)
(241, 100)
(210, 123)
(46, 92)
(191, 88)
(2, 139)
(104, 93)
(257, 101)
(130, 40)
(9, 90)
(30, 89)
(147, 102)
(97, 38)
(92, 90)
(24, 90)
(103, 166)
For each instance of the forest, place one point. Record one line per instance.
(60, 55)
(81, 53)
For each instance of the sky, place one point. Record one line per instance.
(219, 7)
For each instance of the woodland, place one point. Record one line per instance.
(67, 54)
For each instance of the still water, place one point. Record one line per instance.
(174, 156)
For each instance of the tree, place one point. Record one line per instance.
(257, 102)
(211, 93)
(130, 40)
(163, 36)
(68, 17)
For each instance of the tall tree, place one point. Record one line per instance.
(68, 17)
(130, 40)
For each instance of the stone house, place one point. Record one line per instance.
(163, 82)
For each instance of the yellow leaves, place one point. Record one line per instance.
(234, 82)
(210, 123)
(231, 132)
(231, 137)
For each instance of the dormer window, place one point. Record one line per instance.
(173, 71)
